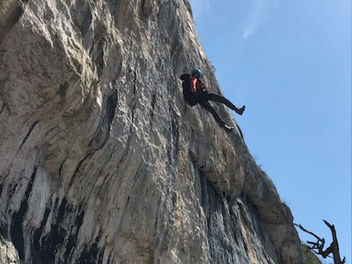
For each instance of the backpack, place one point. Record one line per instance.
(186, 84)
(187, 93)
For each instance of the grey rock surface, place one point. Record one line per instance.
(8, 253)
(101, 160)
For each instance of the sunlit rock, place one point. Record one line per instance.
(101, 160)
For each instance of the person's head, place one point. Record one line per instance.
(197, 73)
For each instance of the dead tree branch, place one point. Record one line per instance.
(318, 246)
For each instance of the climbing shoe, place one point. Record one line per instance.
(240, 110)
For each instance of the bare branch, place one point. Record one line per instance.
(334, 247)
(319, 244)
(309, 232)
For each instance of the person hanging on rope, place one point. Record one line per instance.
(195, 92)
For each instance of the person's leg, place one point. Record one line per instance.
(209, 108)
(190, 99)
(225, 101)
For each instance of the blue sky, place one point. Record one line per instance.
(289, 62)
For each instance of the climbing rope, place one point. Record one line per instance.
(221, 194)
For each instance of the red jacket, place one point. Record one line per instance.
(197, 84)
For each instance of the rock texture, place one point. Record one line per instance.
(8, 253)
(101, 161)
(308, 256)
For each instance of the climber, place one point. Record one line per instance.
(195, 92)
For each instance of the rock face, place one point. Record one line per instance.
(101, 160)
(8, 253)
(308, 256)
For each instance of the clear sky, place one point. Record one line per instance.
(289, 62)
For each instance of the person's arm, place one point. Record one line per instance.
(202, 86)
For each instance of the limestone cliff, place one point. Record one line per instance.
(101, 161)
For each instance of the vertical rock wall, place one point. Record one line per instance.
(101, 161)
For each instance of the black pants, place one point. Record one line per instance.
(202, 98)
